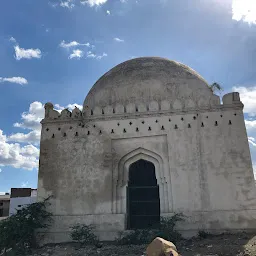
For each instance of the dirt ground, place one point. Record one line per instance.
(228, 245)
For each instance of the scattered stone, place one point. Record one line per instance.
(159, 247)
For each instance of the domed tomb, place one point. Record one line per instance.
(146, 79)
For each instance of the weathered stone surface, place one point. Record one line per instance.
(160, 247)
(199, 149)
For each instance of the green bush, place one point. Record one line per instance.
(84, 234)
(167, 227)
(138, 236)
(19, 230)
(166, 230)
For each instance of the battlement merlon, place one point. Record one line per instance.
(229, 100)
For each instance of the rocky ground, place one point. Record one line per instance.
(228, 245)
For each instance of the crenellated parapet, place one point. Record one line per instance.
(52, 114)
(189, 105)
(164, 106)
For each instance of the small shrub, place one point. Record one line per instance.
(166, 230)
(167, 227)
(138, 236)
(19, 230)
(84, 234)
(203, 234)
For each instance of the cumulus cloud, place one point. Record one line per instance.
(108, 12)
(248, 97)
(77, 54)
(21, 53)
(63, 44)
(250, 125)
(20, 150)
(31, 137)
(31, 119)
(92, 3)
(244, 10)
(118, 40)
(13, 154)
(15, 80)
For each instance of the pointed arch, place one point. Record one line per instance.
(119, 199)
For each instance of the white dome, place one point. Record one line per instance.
(146, 79)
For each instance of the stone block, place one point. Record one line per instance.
(161, 247)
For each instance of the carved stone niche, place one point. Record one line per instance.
(165, 105)
(130, 108)
(142, 107)
(87, 111)
(153, 106)
(97, 111)
(108, 110)
(177, 105)
(190, 104)
(119, 108)
(65, 113)
(50, 113)
(76, 113)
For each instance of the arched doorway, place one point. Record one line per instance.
(143, 202)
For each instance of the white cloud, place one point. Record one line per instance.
(69, 106)
(31, 137)
(67, 4)
(108, 12)
(24, 184)
(250, 125)
(15, 80)
(99, 57)
(251, 132)
(31, 119)
(72, 44)
(21, 53)
(72, 106)
(30, 150)
(244, 10)
(248, 97)
(252, 141)
(25, 155)
(1, 170)
(118, 40)
(94, 56)
(12, 39)
(92, 3)
(13, 154)
(90, 55)
(77, 54)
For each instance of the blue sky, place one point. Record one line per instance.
(55, 51)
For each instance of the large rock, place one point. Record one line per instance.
(161, 247)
